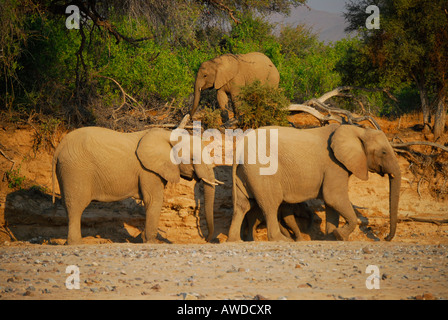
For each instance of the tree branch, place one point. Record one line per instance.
(416, 143)
(89, 10)
(220, 5)
(124, 96)
(339, 90)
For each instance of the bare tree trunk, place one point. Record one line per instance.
(426, 110)
(440, 117)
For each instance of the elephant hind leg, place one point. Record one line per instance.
(241, 207)
(74, 213)
(272, 224)
(332, 219)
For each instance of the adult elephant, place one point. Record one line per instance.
(229, 72)
(315, 163)
(99, 164)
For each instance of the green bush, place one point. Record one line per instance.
(261, 105)
(14, 178)
(211, 118)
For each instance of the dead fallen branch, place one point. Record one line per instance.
(423, 143)
(416, 219)
(167, 126)
(316, 106)
(430, 168)
(9, 159)
(335, 114)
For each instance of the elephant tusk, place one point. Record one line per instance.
(209, 182)
(392, 175)
(219, 182)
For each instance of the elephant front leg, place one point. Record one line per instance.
(335, 195)
(153, 203)
(153, 210)
(223, 101)
(332, 216)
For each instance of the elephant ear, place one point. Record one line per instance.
(226, 70)
(153, 151)
(348, 148)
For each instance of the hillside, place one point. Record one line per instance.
(328, 25)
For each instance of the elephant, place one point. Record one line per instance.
(94, 163)
(229, 72)
(315, 163)
(287, 214)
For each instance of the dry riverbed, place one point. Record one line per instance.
(256, 270)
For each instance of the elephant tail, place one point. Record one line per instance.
(53, 168)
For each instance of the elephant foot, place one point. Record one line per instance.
(74, 242)
(224, 115)
(231, 123)
(340, 235)
(280, 237)
(148, 239)
(234, 239)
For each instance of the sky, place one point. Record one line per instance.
(336, 6)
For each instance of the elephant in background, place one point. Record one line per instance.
(99, 164)
(315, 163)
(229, 72)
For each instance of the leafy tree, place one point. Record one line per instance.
(152, 48)
(410, 46)
(307, 65)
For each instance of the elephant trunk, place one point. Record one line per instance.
(197, 96)
(394, 195)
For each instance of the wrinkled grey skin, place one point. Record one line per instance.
(104, 165)
(316, 163)
(229, 72)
